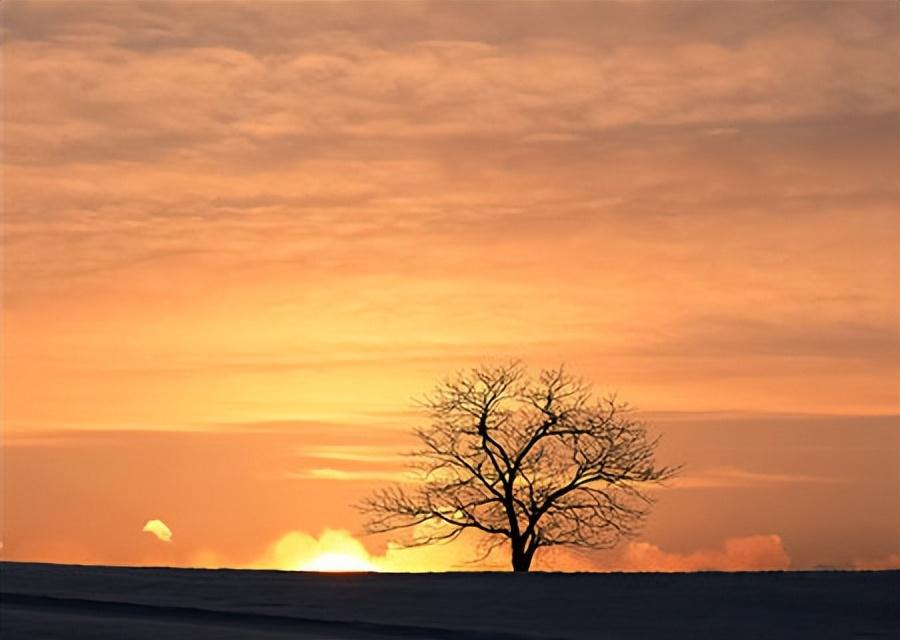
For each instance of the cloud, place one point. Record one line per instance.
(297, 549)
(888, 562)
(731, 477)
(383, 467)
(337, 95)
(159, 529)
(752, 553)
(356, 453)
(355, 462)
(749, 553)
(326, 473)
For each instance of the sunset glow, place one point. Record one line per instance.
(338, 563)
(240, 240)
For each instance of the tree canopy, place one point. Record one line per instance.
(528, 461)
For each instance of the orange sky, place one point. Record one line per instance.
(239, 238)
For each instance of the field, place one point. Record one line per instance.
(59, 601)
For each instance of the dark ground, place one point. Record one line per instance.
(59, 601)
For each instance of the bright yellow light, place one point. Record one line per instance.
(333, 562)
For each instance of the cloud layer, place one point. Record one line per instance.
(694, 204)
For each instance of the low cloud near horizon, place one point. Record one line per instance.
(889, 562)
(750, 553)
(297, 549)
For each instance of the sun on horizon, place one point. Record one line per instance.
(338, 562)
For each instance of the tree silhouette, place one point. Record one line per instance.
(529, 461)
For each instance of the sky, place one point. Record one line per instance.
(239, 240)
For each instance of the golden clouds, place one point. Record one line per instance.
(159, 529)
(730, 477)
(741, 553)
(890, 562)
(340, 550)
(299, 551)
(751, 553)
(326, 473)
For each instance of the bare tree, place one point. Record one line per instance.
(533, 462)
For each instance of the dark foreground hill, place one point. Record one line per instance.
(58, 601)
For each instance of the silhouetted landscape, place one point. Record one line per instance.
(482, 319)
(56, 601)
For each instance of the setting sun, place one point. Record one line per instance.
(333, 562)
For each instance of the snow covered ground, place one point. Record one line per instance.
(58, 601)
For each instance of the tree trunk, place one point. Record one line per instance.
(521, 559)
